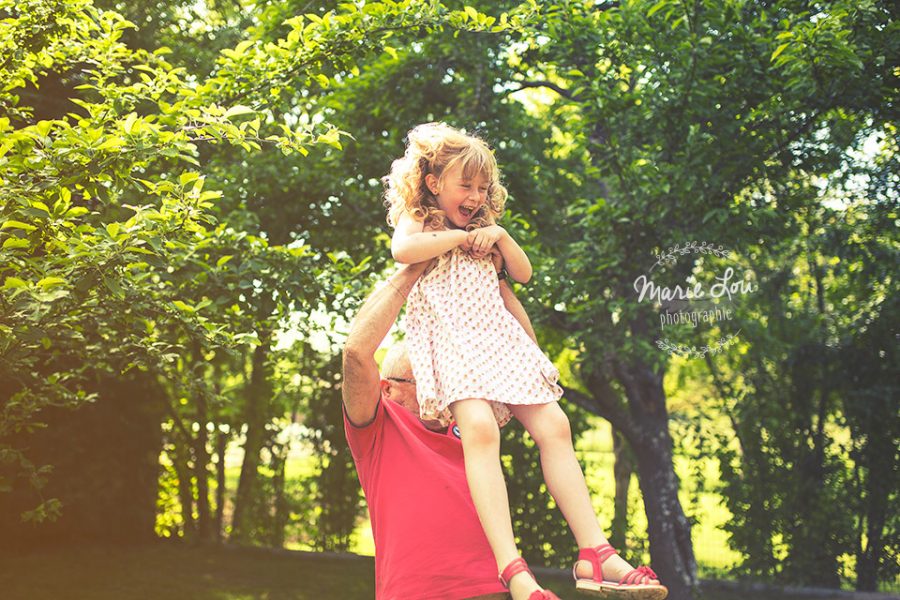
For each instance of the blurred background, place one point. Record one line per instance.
(191, 213)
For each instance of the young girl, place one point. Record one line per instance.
(473, 362)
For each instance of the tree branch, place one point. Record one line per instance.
(547, 84)
(604, 401)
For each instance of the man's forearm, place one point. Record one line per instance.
(374, 320)
(516, 309)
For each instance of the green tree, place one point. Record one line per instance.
(677, 110)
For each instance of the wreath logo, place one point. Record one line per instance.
(692, 303)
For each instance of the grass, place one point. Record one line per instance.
(174, 571)
(712, 552)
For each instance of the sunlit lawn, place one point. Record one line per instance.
(714, 556)
(172, 571)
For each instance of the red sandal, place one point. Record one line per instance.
(517, 566)
(631, 585)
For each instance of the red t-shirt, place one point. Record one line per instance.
(429, 544)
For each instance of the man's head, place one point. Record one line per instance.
(398, 384)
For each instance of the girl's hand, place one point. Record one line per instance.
(481, 240)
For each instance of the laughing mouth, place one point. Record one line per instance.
(466, 211)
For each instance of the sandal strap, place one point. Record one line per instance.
(635, 576)
(543, 595)
(596, 556)
(517, 566)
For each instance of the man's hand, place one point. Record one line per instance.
(481, 240)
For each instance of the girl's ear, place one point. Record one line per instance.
(431, 182)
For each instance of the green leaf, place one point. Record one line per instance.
(241, 48)
(43, 127)
(40, 205)
(112, 143)
(76, 211)
(14, 282)
(113, 286)
(129, 122)
(47, 282)
(17, 225)
(183, 306)
(332, 138)
(187, 177)
(224, 260)
(140, 250)
(778, 51)
(656, 8)
(472, 13)
(237, 110)
(16, 242)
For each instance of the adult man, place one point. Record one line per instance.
(429, 543)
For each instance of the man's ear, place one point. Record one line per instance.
(386, 389)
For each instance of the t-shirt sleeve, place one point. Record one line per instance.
(362, 438)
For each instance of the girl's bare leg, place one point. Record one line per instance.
(481, 448)
(549, 426)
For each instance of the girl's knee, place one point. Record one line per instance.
(551, 427)
(482, 431)
(477, 423)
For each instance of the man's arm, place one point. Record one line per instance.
(509, 297)
(360, 387)
(515, 307)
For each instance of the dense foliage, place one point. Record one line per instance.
(189, 208)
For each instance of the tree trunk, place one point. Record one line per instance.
(623, 468)
(201, 471)
(256, 414)
(876, 457)
(282, 513)
(221, 447)
(870, 556)
(180, 460)
(668, 529)
(644, 421)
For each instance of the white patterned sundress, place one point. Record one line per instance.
(463, 343)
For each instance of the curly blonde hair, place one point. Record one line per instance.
(436, 148)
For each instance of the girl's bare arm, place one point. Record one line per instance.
(412, 244)
(517, 264)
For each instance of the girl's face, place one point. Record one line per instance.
(458, 197)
